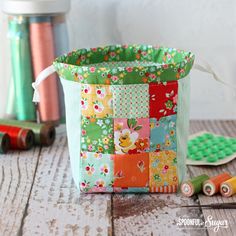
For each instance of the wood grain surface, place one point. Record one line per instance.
(38, 197)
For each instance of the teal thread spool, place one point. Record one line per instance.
(21, 68)
(11, 104)
(193, 186)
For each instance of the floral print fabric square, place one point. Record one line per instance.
(163, 99)
(131, 101)
(131, 170)
(97, 135)
(163, 133)
(97, 172)
(163, 170)
(96, 101)
(131, 136)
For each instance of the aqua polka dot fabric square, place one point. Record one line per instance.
(130, 101)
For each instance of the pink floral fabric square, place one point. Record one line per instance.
(131, 136)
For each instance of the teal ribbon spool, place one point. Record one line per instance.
(21, 68)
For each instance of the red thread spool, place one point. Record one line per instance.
(42, 50)
(212, 186)
(19, 138)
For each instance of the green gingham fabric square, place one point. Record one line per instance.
(130, 101)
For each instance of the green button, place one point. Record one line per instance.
(209, 143)
(208, 136)
(201, 138)
(196, 157)
(221, 146)
(234, 147)
(215, 142)
(215, 149)
(202, 147)
(192, 156)
(194, 150)
(233, 140)
(228, 143)
(212, 158)
(221, 138)
(221, 155)
(207, 152)
(228, 152)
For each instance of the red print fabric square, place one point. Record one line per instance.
(163, 99)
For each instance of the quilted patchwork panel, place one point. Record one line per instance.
(128, 138)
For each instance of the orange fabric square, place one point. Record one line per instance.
(131, 170)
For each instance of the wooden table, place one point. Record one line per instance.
(38, 197)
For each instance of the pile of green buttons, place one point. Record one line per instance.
(210, 148)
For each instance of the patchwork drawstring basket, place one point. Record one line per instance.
(127, 116)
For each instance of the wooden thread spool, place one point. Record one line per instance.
(212, 186)
(4, 143)
(228, 188)
(19, 138)
(193, 186)
(44, 133)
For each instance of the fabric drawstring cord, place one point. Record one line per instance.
(40, 78)
(205, 67)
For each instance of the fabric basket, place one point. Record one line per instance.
(127, 116)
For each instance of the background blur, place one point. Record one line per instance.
(207, 28)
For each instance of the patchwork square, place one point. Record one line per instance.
(163, 171)
(163, 99)
(130, 101)
(96, 101)
(163, 133)
(131, 170)
(97, 135)
(97, 172)
(131, 136)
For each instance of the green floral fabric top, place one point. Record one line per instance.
(124, 64)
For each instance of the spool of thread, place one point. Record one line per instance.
(4, 143)
(11, 104)
(42, 50)
(19, 138)
(193, 186)
(228, 188)
(44, 133)
(21, 68)
(212, 186)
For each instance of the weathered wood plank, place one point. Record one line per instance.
(17, 171)
(152, 214)
(225, 128)
(55, 207)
